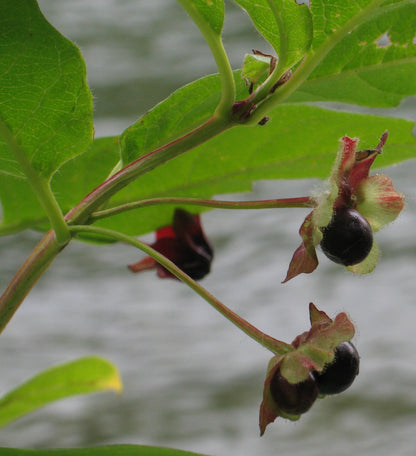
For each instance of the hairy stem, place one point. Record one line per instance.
(267, 341)
(304, 201)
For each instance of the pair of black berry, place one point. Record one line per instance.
(336, 377)
(348, 238)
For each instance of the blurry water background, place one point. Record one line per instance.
(191, 380)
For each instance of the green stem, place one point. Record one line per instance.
(216, 46)
(267, 341)
(304, 201)
(228, 91)
(311, 61)
(39, 185)
(52, 209)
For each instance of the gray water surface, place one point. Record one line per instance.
(192, 380)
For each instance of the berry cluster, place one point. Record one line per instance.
(337, 376)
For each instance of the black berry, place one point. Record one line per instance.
(293, 399)
(338, 375)
(348, 238)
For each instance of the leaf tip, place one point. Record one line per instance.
(115, 383)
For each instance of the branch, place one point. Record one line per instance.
(212, 127)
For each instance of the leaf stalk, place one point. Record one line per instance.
(39, 185)
(304, 201)
(216, 46)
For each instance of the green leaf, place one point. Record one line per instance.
(20, 206)
(276, 150)
(184, 110)
(85, 375)
(374, 65)
(45, 102)
(79, 176)
(209, 11)
(282, 149)
(110, 450)
(45, 107)
(329, 16)
(290, 32)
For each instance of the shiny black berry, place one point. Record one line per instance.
(338, 375)
(293, 399)
(348, 238)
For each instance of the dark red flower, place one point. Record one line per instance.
(185, 244)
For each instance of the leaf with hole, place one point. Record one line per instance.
(374, 62)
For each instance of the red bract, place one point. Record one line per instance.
(185, 244)
(289, 388)
(349, 187)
